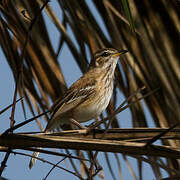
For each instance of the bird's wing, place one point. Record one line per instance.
(71, 100)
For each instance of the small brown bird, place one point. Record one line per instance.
(89, 96)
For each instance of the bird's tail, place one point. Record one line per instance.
(33, 159)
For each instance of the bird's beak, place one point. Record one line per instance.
(120, 53)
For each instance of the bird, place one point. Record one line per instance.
(89, 96)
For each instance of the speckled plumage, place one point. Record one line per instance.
(89, 96)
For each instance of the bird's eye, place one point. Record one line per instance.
(105, 54)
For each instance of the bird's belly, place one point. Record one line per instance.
(94, 108)
(87, 113)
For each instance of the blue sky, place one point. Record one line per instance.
(17, 166)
